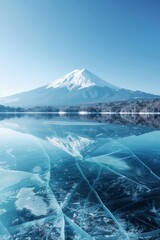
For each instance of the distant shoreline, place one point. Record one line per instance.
(87, 113)
(121, 107)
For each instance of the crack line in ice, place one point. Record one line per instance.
(69, 196)
(140, 197)
(62, 229)
(139, 219)
(123, 176)
(145, 234)
(155, 175)
(5, 174)
(30, 223)
(4, 232)
(89, 194)
(120, 174)
(47, 177)
(102, 204)
(78, 228)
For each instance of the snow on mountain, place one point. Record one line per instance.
(79, 79)
(78, 87)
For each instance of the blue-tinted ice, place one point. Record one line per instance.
(78, 180)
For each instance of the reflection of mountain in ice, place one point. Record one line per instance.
(71, 145)
(78, 181)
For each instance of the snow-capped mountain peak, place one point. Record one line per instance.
(79, 79)
(76, 88)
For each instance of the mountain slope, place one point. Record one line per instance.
(77, 87)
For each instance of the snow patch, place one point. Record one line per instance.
(83, 113)
(27, 199)
(62, 113)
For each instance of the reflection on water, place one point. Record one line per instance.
(88, 177)
(138, 119)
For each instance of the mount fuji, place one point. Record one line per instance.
(78, 87)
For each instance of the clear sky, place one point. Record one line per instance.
(41, 40)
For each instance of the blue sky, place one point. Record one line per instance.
(41, 40)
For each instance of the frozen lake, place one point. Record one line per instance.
(79, 178)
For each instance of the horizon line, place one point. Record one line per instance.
(85, 113)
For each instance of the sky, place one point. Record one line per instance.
(41, 40)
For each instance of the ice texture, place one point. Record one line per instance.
(78, 181)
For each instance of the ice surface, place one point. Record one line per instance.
(78, 181)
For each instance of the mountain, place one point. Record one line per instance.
(77, 87)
